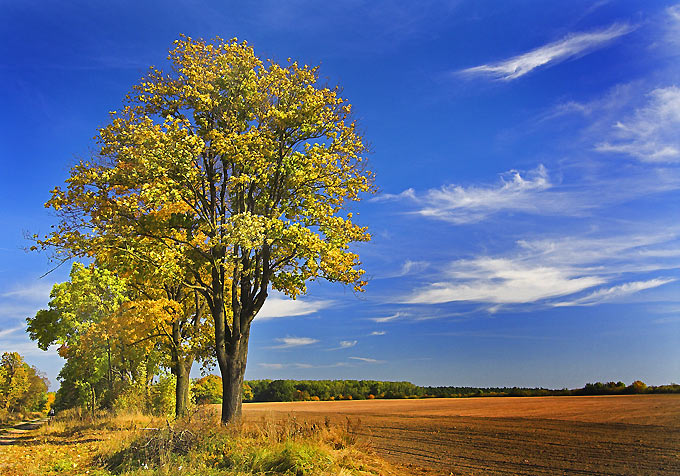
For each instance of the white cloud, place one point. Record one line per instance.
(368, 360)
(674, 12)
(502, 281)
(544, 269)
(378, 333)
(533, 192)
(624, 246)
(516, 192)
(278, 305)
(6, 332)
(345, 344)
(27, 348)
(410, 267)
(39, 292)
(287, 342)
(571, 46)
(18, 311)
(394, 316)
(409, 193)
(671, 27)
(461, 205)
(609, 294)
(650, 134)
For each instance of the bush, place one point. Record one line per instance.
(207, 390)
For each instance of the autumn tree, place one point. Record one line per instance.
(14, 380)
(22, 387)
(167, 310)
(207, 390)
(174, 324)
(71, 321)
(244, 167)
(118, 330)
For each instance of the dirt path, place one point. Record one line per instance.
(11, 435)
(600, 436)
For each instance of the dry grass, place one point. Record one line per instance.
(77, 444)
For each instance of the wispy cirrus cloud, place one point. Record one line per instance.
(378, 333)
(671, 27)
(278, 305)
(622, 251)
(502, 281)
(288, 342)
(667, 320)
(22, 301)
(569, 47)
(273, 366)
(345, 344)
(609, 294)
(650, 134)
(26, 348)
(674, 12)
(33, 292)
(368, 360)
(459, 204)
(516, 191)
(389, 318)
(411, 267)
(533, 192)
(542, 270)
(6, 332)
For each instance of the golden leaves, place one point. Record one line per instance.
(218, 163)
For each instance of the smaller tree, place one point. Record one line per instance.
(207, 390)
(22, 387)
(14, 380)
(638, 387)
(76, 308)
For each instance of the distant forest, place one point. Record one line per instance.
(207, 390)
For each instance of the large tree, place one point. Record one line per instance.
(243, 167)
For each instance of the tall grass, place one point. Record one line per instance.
(200, 445)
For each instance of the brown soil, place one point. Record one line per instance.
(609, 435)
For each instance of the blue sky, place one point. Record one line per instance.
(527, 153)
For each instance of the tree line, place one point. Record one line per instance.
(205, 390)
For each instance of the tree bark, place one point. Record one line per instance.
(181, 368)
(182, 373)
(232, 378)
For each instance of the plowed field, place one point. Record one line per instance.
(608, 435)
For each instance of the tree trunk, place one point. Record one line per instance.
(182, 373)
(232, 379)
(181, 368)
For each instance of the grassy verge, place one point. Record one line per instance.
(199, 445)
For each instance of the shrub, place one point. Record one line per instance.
(207, 390)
